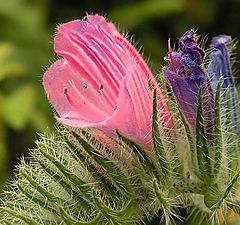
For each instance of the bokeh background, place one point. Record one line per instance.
(27, 28)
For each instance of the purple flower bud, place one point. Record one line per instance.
(220, 66)
(186, 74)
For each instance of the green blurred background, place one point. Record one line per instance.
(27, 28)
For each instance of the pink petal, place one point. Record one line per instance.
(102, 81)
(75, 103)
(134, 113)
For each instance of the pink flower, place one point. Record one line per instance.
(102, 82)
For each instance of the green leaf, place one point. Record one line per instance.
(204, 162)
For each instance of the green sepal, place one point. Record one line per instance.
(160, 196)
(118, 178)
(186, 185)
(122, 216)
(215, 198)
(188, 134)
(150, 85)
(234, 204)
(159, 151)
(58, 179)
(128, 210)
(141, 155)
(191, 144)
(69, 220)
(102, 180)
(83, 188)
(108, 213)
(218, 145)
(228, 189)
(231, 145)
(6, 222)
(204, 162)
(181, 125)
(26, 219)
(32, 197)
(41, 190)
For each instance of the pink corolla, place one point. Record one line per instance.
(102, 82)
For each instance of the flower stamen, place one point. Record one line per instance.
(65, 92)
(170, 59)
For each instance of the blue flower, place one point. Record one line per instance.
(185, 75)
(220, 66)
